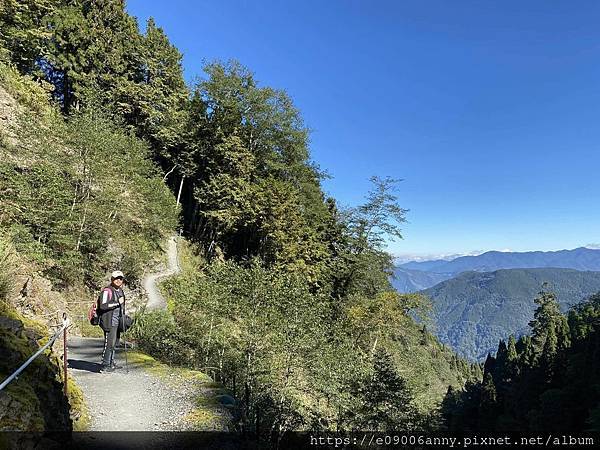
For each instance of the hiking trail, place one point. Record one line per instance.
(149, 396)
(155, 298)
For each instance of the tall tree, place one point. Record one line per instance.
(160, 105)
(385, 401)
(93, 55)
(23, 32)
(367, 267)
(549, 326)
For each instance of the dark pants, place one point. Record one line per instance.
(110, 339)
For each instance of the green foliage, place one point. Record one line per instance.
(252, 190)
(296, 313)
(474, 310)
(23, 32)
(30, 94)
(549, 326)
(82, 197)
(384, 399)
(365, 267)
(544, 383)
(91, 56)
(158, 109)
(6, 267)
(274, 342)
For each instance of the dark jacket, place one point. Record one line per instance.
(107, 307)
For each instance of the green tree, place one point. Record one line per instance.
(23, 32)
(385, 401)
(488, 404)
(549, 327)
(93, 55)
(159, 106)
(367, 267)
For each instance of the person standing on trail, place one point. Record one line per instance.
(111, 306)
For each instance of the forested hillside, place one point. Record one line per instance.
(546, 382)
(473, 311)
(285, 296)
(409, 280)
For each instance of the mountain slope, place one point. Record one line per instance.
(407, 280)
(473, 311)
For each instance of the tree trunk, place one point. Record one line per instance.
(180, 189)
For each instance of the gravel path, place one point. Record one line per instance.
(134, 401)
(155, 298)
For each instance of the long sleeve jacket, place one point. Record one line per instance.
(108, 303)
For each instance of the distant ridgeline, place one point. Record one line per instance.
(479, 300)
(414, 276)
(473, 311)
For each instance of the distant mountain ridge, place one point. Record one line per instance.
(474, 310)
(581, 258)
(417, 275)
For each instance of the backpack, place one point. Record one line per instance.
(93, 314)
(125, 323)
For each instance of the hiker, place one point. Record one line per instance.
(111, 306)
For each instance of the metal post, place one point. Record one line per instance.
(65, 354)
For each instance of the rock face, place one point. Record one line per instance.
(35, 400)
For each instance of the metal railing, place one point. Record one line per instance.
(63, 329)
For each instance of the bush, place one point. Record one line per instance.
(158, 335)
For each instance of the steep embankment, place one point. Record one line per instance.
(35, 400)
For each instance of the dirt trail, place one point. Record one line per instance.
(155, 298)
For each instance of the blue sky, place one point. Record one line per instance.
(488, 111)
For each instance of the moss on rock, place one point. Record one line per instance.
(35, 400)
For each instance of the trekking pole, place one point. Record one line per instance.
(124, 340)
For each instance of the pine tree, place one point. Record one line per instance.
(549, 326)
(93, 56)
(385, 399)
(512, 358)
(159, 106)
(488, 404)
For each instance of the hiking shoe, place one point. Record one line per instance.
(106, 369)
(115, 366)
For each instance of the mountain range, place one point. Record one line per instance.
(414, 276)
(474, 310)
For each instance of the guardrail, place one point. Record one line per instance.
(63, 329)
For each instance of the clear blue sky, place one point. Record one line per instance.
(489, 111)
